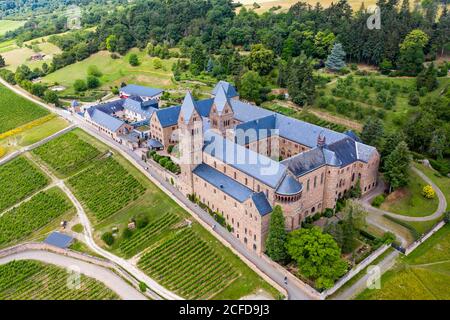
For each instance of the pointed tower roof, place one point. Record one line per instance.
(221, 99)
(188, 107)
(229, 89)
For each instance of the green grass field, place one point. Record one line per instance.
(441, 181)
(409, 201)
(33, 215)
(9, 25)
(19, 179)
(116, 71)
(423, 275)
(16, 110)
(33, 280)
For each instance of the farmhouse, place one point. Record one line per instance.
(145, 93)
(241, 160)
(102, 118)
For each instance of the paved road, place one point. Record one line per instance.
(366, 201)
(295, 292)
(107, 277)
(360, 285)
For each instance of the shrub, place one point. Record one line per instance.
(414, 99)
(133, 60)
(328, 213)
(428, 192)
(142, 286)
(170, 149)
(79, 85)
(378, 200)
(141, 221)
(92, 82)
(108, 238)
(94, 71)
(316, 216)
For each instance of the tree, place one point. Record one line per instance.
(427, 78)
(336, 59)
(396, 166)
(390, 142)
(80, 85)
(92, 82)
(372, 132)
(51, 97)
(157, 63)
(94, 71)
(411, 52)
(198, 59)
(300, 81)
(251, 86)
(317, 255)
(438, 143)
(276, 239)
(386, 66)
(133, 60)
(2, 61)
(108, 238)
(111, 43)
(261, 59)
(354, 219)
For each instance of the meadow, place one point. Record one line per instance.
(423, 275)
(19, 179)
(409, 201)
(16, 110)
(33, 280)
(9, 25)
(33, 215)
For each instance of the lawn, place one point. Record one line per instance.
(34, 280)
(409, 201)
(19, 179)
(16, 56)
(441, 181)
(67, 154)
(33, 215)
(16, 111)
(424, 274)
(116, 71)
(9, 25)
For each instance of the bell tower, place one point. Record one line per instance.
(190, 129)
(221, 114)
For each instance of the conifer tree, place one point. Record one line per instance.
(336, 59)
(396, 166)
(276, 239)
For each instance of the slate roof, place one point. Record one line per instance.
(59, 240)
(188, 107)
(145, 109)
(221, 100)
(246, 112)
(152, 143)
(228, 88)
(289, 186)
(261, 203)
(168, 116)
(110, 107)
(260, 167)
(310, 160)
(348, 150)
(352, 135)
(232, 188)
(255, 130)
(135, 90)
(105, 120)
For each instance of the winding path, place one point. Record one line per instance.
(107, 277)
(366, 201)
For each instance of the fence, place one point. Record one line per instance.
(422, 239)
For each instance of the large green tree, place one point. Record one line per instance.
(372, 132)
(276, 238)
(300, 81)
(411, 52)
(261, 59)
(396, 166)
(317, 255)
(251, 86)
(427, 78)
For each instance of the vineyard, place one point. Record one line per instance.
(188, 266)
(16, 111)
(18, 180)
(67, 154)
(106, 187)
(32, 280)
(144, 237)
(32, 215)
